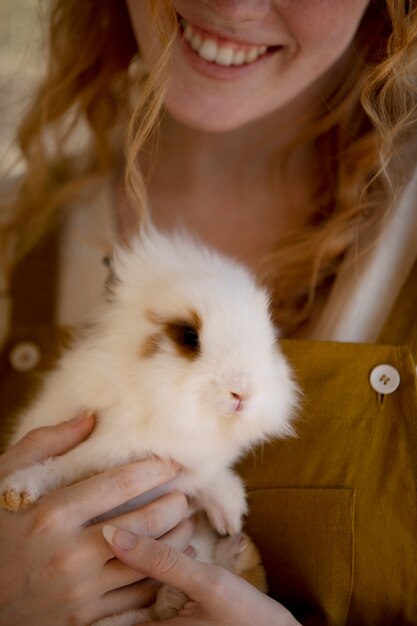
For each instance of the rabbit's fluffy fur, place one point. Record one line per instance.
(181, 362)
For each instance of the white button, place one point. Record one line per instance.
(384, 378)
(25, 356)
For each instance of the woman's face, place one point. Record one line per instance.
(236, 61)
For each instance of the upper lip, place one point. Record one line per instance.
(226, 34)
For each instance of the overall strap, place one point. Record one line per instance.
(34, 284)
(401, 325)
(32, 340)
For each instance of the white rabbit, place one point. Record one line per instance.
(181, 362)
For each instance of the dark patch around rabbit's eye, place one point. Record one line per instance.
(185, 337)
(184, 332)
(151, 345)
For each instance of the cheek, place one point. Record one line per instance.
(323, 27)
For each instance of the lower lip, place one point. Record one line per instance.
(221, 72)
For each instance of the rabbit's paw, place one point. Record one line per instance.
(224, 504)
(224, 520)
(12, 500)
(22, 488)
(228, 551)
(168, 603)
(16, 493)
(239, 555)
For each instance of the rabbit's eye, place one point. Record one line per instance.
(190, 337)
(183, 331)
(185, 338)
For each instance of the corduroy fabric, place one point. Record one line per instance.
(334, 510)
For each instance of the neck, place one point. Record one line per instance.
(229, 188)
(246, 152)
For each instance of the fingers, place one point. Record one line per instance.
(221, 597)
(41, 443)
(94, 496)
(179, 537)
(190, 615)
(116, 574)
(161, 561)
(152, 520)
(130, 597)
(156, 518)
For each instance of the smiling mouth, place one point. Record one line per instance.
(220, 51)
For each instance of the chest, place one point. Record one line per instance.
(238, 219)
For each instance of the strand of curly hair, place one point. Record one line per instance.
(360, 131)
(362, 135)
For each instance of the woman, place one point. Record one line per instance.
(286, 142)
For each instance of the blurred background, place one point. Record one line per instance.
(20, 66)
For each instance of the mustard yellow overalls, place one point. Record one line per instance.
(333, 510)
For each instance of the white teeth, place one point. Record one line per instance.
(208, 50)
(251, 55)
(239, 57)
(188, 32)
(222, 55)
(196, 42)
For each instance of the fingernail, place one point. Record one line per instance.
(119, 538)
(82, 417)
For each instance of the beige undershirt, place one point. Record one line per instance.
(367, 289)
(88, 235)
(361, 300)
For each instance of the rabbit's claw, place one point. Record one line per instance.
(225, 522)
(20, 489)
(12, 500)
(225, 506)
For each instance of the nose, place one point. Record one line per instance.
(237, 401)
(239, 10)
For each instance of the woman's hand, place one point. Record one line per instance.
(57, 570)
(217, 597)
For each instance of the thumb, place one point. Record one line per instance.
(41, 443)
(160, 561)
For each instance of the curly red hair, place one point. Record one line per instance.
(361, 133)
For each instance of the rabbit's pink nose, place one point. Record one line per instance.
(237, 401)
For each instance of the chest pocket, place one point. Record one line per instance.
(306, 540)
(334, 509)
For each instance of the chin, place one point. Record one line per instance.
(201, 114)
(210, 123)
